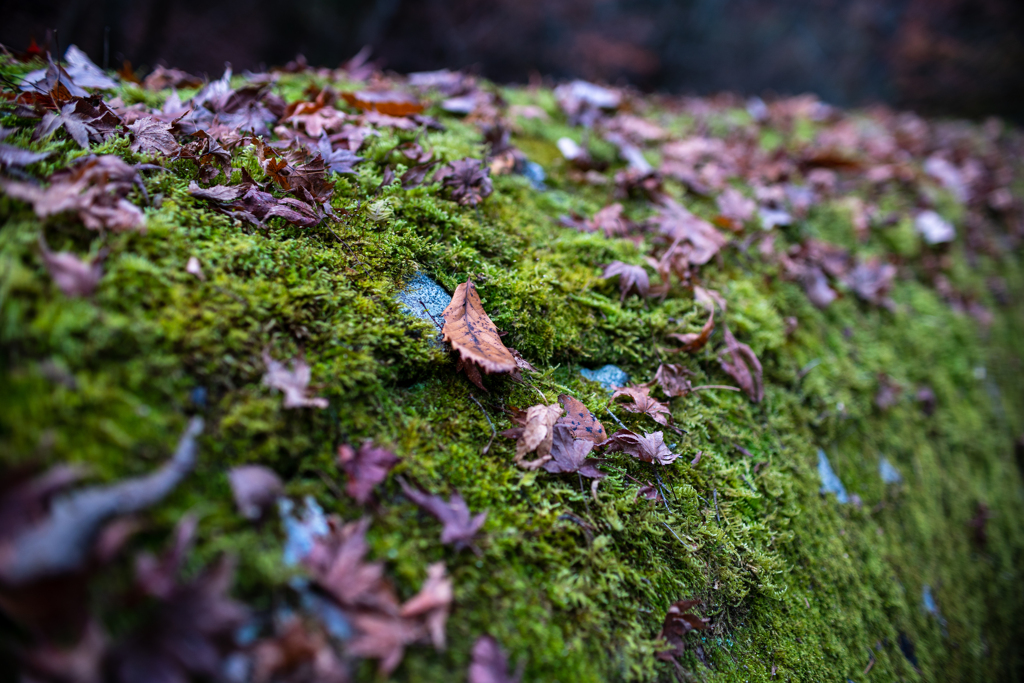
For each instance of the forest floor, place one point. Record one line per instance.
(334, 374)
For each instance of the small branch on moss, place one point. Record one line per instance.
(664, 498)
(717, 516)
(617, 420)
(714, 386)
(490, 424)
(673, 532)
(440, 328)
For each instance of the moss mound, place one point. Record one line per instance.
(917, 578)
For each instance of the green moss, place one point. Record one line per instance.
(799, 587)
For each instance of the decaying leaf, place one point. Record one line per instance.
(569, 455)
(336, 562)
(740, 363)
(582, 422)
(472, 334)
(383, 636)
(459, 526)
(255, 488)
(490, 663)
(468, 180)
(72, 275)
(391, 103)
(364, 468)
(642, 402)
(678, 622)
(631, 278)
(94, 189)
(432, 604)
(694, 239)
(673, 379)
(535, 433)
(647, 448)
(294, 383)
(150, 134)
(693, 342)
(298, 647)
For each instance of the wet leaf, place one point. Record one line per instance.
(631, 278)
(535, 434)
(490, 663)
(678, 622)
(580, 420)
(459, 526)
(390, 102)
(647, 448)
(740, 363)
(365, 468)
(569, 455)
(641, 402)
(432, 604)
(473, 336)
(255, 488)
(294, 383)
(149, 134)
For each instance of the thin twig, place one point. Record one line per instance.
(714, 386)
(427, 311)
(664, 498)
(717, 516)
(615, 418)
(494, 432)
(672, 531)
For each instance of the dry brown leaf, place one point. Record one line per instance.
(631, 278)
(582, 422)
(648, 448)
(740, 363)
(679, 622)
(432, 603)
(695, 341)
(390, 103)
(535, 434)
(472, 334)
(673, 380)
(643, 403)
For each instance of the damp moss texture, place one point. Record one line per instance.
(798, 587)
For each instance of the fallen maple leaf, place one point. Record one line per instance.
(679, 622)
(693, 342)
(582, 422)
(459, 527)
(472, 334)
(293, 383)
(673, 380)
(490, 663)
(643, 403)
(150, 134)
(298, 647)
(648, 448)
(390, 102)
(631, 278)
(255, 488)
(94, 189)
(336, 562)
(432, 604)
(535, 433)
(694, 239)
(467, 180)
(365, 468)
(740, 363)
(161, 78)
(569, 455)
(339, 160)
(72, 275)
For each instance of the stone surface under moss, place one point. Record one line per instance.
(798, 586)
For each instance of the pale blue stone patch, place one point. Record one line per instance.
(889, 473)
(423, 298)
(829, 481)
(300, 533)
(609, 376)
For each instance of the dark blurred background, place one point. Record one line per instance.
(955, 57)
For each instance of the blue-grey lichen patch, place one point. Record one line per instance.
(301, 532)
(534, 172)
(829, 481)
(888, 472)
(609, 376)
(424, 299)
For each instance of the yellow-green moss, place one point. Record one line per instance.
(799, 587)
